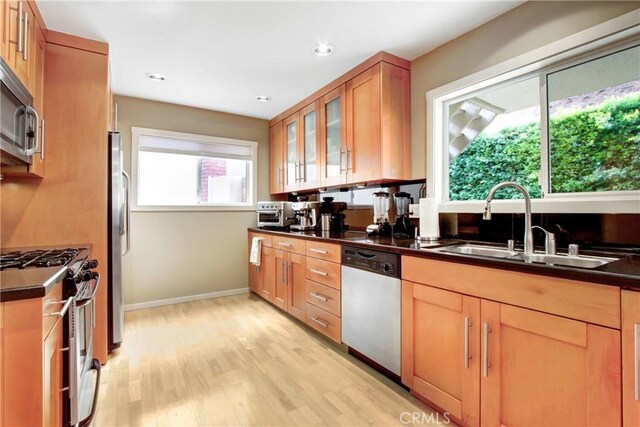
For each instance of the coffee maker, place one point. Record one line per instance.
(306, 215)
(380, 226)
(334, 209)
(403, 226)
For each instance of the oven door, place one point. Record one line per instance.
(83, 387)
(270, 218)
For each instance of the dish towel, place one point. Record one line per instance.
(256, 246)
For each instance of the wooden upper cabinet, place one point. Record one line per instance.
(363, 127)
(355, 130)
(291, 143)
(18, 39)
(276, 159)
(631, 358)
(309, 147)
(441, 349)
(333, 137)
(540, 369)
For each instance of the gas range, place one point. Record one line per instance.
(39, 258)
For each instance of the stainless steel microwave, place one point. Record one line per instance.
(18, 119)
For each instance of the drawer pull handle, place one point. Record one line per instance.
(321, 273)
(319, 296)
(288, 245)
(64, 309)
(320, 322)
(318, 251)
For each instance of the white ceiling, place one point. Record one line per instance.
(220, 55)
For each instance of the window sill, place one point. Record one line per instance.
(193, 209)
(576, 205)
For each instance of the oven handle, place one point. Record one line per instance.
(95, 365)
(84, 301)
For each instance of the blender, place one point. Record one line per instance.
(403, 226)
(380, 226)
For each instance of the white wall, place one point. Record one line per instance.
(180, 254)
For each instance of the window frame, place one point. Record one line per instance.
(252, 179)
(598, 41)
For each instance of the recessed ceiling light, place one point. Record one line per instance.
(323, 49)
(263, 98)
(156, 77)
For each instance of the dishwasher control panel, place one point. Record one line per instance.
(385, 263)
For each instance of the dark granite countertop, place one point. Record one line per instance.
(625, 272)
(18, 284)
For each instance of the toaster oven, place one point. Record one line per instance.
(275, 214)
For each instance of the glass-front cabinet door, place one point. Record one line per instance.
(292, 170)
(334, 137)
(309, 168)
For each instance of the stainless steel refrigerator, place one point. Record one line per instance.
(118, 214)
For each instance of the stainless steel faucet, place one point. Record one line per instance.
(528, 234)
(549, 241)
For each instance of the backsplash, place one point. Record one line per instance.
(588, 230)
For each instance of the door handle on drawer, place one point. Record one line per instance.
(485, 363)
(318, 251)
(321, 273)
(64, 309)
(288, 245)
(467, 357)
(320, 322)
(636, 360)
(320, 297)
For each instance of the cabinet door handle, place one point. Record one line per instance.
(342, 153)
(279, 177)
(286, 273)
(26, 36)
(20, 28)
(467, 357)
(318, 251)
(319, 296)
(288, 245)
(64, 309)
(636, 360)
(42, 141)
(320, 322)
(321, 273)
(485, 363)
(349, 165)
(282, 272)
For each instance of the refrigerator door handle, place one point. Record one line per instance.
(126, 211)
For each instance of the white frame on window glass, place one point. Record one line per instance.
(252, 175)
(572, 50)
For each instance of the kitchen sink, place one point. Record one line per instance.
(478, 250)
(579, 261)
(568, 261)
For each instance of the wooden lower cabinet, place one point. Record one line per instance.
(31, 361)
(267, 277)
(525, 367)
(52, 378)
(541, 369)
(296, 304)
(441, 349)
(631, 358)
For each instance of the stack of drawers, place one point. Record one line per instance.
(322, 288)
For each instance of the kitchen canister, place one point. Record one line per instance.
(325, 222)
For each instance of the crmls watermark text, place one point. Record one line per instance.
(424, 418)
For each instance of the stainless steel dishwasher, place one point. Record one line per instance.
(371, 295)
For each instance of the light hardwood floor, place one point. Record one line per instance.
(239, 361)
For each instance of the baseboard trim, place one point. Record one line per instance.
(188, 298)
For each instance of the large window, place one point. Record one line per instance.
(565, 125)
(174, 170)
